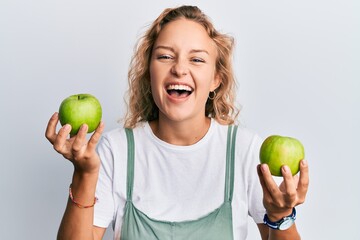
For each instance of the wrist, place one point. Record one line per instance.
(83, 186)
(77, 203)
(283, 223)
(85, 181)
(85, 177)
(276, 216)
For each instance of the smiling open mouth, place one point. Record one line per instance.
(179, 91)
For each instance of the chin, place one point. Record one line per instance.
(180, 116)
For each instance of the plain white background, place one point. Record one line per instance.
(297, 65)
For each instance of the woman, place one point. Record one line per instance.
(179, 169)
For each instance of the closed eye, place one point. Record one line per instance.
(198, 60)
(166, 57)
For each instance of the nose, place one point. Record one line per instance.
(179, 69)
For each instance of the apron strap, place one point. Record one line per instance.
(130, 163)
(230, 162)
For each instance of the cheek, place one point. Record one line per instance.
(153, 75)
(156, 72)
(206, 80)
(155, 83)
(152, 71)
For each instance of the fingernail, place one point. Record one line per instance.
(285, 168)
(304, 162)
(83, 127)
(55, 115)
(263, 167)
(67, 126)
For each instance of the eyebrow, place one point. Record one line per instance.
(172, 49)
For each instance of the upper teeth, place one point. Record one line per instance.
(179, 87)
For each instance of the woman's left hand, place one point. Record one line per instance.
(279, 201)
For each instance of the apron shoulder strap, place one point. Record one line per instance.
(230, 162)
(130, 163)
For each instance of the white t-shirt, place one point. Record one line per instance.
(178, 183)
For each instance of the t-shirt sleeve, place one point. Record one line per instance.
(104, 208)
(255, 193)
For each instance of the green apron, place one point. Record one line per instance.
(217, 225)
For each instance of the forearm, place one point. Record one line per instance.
(77, 223)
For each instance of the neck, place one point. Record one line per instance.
(181, 133)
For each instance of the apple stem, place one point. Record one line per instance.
(78, 97)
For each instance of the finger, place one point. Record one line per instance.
(94, 139)
(80, 139)
(289, 186)
(60, 141)
(50, 132)
(270, 184)
(303, 184)
(262, 182)
(296, 181)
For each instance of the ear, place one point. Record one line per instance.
(215, 83)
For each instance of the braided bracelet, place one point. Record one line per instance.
(78, 204)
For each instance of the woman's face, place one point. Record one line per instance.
(182, 70)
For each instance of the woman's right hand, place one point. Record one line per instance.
(80, 151)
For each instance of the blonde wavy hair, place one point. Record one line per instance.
(141, 106)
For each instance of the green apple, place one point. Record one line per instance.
(79, 109)
(277, 151)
